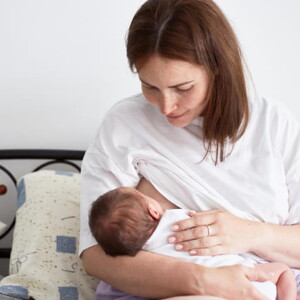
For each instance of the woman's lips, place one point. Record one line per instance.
(174, 117)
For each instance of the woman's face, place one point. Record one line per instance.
(177, 87)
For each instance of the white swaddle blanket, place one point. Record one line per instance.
(158, 243)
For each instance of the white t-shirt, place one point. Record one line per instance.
(259, 180)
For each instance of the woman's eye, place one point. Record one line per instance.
(184, 90)
(150, 88)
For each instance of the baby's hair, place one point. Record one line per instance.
(120, 222)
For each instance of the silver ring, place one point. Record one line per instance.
(208, 230)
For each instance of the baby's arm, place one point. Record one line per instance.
(283, 278)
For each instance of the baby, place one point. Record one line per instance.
(124, 221)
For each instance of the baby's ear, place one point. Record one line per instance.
(153, 212)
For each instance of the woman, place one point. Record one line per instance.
(194, 133)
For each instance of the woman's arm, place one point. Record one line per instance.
(231, 234)
(280, 243)
(156, 276)
(141, 275)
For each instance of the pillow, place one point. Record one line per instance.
(44, 261)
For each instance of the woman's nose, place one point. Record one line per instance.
(168, 104)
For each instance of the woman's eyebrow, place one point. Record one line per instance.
(172, 86)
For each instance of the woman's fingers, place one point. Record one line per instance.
(257, 274)
(202, 231)
(209, 229)
(197, 219)
(197, 232)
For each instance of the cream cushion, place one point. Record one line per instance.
(44, 261)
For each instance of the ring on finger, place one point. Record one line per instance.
(208, 230)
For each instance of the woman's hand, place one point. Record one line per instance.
(214, 232)
(234, 282)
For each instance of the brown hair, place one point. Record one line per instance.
(120, 222)
(197, 31)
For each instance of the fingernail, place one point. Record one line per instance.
(193, 252)
(178, 247)
(172, 239)
(175, 227)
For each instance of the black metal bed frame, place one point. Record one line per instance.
(51, 156)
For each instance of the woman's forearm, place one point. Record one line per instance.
(147, 274)
(278, 243)
(157, 276)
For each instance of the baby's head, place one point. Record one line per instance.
(123, 219)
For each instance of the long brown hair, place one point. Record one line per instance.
(197, 31)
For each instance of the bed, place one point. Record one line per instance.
(44, 261)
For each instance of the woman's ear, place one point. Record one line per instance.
(153, 211)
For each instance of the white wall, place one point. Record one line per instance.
(269, 32)
(63, 64)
